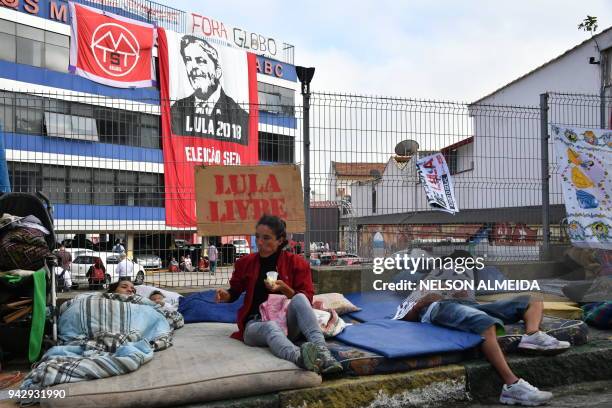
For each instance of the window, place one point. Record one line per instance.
(276, 99)
(8, 51)
(7, 111)
(103, 187)
(276, 148)
(57, 51)
(24, 113)
(54, 183)
(80, 191)
(451, 161)
(28, 114)
(126, 188)
(25, 177)
(57, 58)
(149, 131)
(81, 185)
(150, 190)
(117, 126)
(30, 45)
(71, 127)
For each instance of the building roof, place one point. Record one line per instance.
(357, 170)
(458, 144)
(527, 215)
(544, 65)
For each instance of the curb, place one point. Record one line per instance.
(448, 385)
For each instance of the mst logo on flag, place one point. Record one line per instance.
(111, 49)
(209, 114)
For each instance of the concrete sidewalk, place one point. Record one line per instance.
(449, 385)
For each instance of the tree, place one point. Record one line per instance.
(589, 24)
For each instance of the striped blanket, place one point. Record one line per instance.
(103, 335)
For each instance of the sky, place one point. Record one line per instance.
(442, 50)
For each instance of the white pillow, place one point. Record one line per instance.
(172, 298)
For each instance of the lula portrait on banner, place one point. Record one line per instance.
(203, 122)
(209, 111)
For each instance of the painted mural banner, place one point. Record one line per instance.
(111, 49)
(584, 156)
(209, 114)
(231, 199)
(437, 182)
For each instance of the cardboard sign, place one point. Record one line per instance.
(231, 199)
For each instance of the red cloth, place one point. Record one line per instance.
(292, 269)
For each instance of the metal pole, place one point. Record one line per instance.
(545, 253)
(306, 152)
(602, 107)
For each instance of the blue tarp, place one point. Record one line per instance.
(397, 338)
(201, 307)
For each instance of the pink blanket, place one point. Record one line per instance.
(275, 309)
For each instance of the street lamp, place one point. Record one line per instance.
(305, 76)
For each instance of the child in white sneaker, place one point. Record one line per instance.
(453, 310)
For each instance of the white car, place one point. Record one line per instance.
(83, 260)
(242, 247)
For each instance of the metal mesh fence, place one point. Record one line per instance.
(149, 11)
(492, 153)
(100, 161)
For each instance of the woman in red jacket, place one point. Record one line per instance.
(295, 282)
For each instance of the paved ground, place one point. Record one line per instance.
(594, 394)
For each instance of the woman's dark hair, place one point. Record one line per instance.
(277, 225)
(113, 287)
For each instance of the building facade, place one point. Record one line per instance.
(497, 170)
(96, 151)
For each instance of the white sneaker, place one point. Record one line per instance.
(523, 393)
(541, 343)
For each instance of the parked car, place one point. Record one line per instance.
(348, 259)
(148, 260)
(326, 258)
(83, 260)
(242, 247)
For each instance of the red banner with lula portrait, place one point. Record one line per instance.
(209, 115)
(111, 49)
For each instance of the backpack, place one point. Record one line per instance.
(97, 274)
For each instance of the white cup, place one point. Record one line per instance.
(272, 276)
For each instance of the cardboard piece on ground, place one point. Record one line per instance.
(230, 199)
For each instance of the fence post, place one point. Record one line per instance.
(305, 76)
(602, 107)
(545, 250)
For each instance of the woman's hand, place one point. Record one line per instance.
(222, 296)
(279, 286)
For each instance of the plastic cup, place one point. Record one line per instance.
(272, 276)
